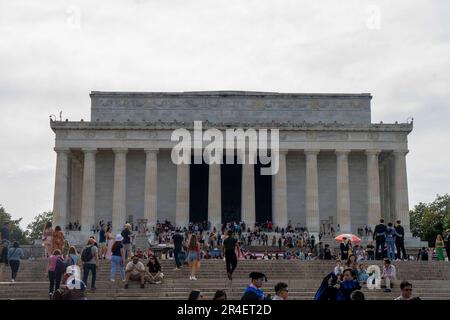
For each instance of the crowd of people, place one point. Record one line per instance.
(232, 243)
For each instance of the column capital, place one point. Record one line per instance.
(342, 152)
(400, 153)
(61, 150)
(151, 150)
(89, 150)
(372, 152)
(120, 150)
(311, 152)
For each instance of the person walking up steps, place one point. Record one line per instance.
(89, 256)
(178, 245)
(118, 259)
(14, 255)
(193, 256)
(229, 252)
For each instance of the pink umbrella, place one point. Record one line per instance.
(350, 236)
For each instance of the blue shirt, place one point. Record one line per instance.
(15, 254)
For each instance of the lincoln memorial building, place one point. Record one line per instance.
(334, 163)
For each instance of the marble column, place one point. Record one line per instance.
(119, 214)
(61, 196)
(88, 200)
(373, 188)
(151, 187)
(401, 191)
(182, 196)
(279, 193)
(214, 196)
(343, 191)
(312, 192)
(248, 211)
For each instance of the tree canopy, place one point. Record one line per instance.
(430, 219)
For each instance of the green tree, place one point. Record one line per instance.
(15, 231)
(36, 227)
(429, 220)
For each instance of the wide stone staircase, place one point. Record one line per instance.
(430, 279)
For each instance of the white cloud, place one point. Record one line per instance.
(48, 64)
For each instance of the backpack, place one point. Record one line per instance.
(60, 266)
(87, 255)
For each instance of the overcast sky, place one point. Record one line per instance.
(53, 53)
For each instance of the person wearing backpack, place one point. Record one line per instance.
(89, 257)
(56, 267)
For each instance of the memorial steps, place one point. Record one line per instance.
(431, 280)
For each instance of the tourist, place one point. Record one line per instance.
(447, 243)
(253, 292)
(370, 251)
(155, 276)
(344, 246)
(117, 259)
(47, 238)
(73, 258)
(360, 254)
(58, 240)
(195, 295)
(281, 291)
(351, 262)
(406, 292)
(391, 235)
(109, 242)
(338, 269)
(72, 287)
(439, 245)
(177, 239)
(55, 272)
(102, 241)
(362, 273)
(89, 257)
(193, 257)
(327, 252)
(126, 234)
(229, 252)
(135, 271)
(220, 295)
(400, 241)
(379, 236)
(389, 275)
(423, 254)
(4, 251)
(5, 231)
(347, 285)
(14, 255)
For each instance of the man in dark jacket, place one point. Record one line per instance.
(379, 235)
(400, 241)
(344, 246)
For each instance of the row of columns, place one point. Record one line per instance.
(279, 190)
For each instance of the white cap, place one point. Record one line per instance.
(119, 237)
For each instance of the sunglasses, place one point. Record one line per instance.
(407, 289)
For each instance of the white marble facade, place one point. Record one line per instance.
(333, 162)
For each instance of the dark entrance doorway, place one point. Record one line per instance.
(231, 175)
(198, 192)
(263, 194)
